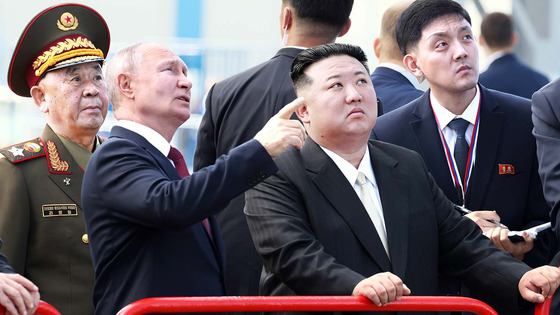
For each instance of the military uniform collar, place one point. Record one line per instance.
(80, 154)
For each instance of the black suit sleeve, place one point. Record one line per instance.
(468, 255)
(141, 193)
(4, 267)
(205, 152)
(546, 130)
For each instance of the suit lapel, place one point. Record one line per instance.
(334, 186)
(489, 134)
(172, 173)
(161, 159)
(394, 200)
(63, 170)
(427, 135)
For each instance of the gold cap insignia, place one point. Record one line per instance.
(66, 50)
(67, 22)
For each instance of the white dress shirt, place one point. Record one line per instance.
(152, 136)
(351, 174)
(444, 117)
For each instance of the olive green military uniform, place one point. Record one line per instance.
(41, 219)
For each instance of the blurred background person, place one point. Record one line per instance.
(393, 83)
(505, 72)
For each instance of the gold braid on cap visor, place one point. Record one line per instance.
(65, 50)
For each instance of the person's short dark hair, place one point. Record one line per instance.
(497, 29)
(330, 13)
(419, 14)
(312, 55)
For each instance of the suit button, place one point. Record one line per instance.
(85, 239)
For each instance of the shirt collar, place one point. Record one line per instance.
(152, 136)
(298, 47)
(409, 76)
(494, 56)
(349, 171)
(444, 116)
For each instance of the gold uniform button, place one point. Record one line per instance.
(85, 238)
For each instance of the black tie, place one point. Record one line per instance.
(461, 152)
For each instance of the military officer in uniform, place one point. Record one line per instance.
(57, 62)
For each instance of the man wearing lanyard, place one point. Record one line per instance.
(476, 142)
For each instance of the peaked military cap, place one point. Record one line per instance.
(58, 37)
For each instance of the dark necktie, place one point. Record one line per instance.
(179, 162)
(181, 167)
(461, 155)
(461, 152)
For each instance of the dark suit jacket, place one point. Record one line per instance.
(316, 238)
(4, 267)
(504, 138)
(236, 109)
(46, 246)
(509, 75)
(145, 222)
(393, 89)
(546, 119)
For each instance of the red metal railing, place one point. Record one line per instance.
(543, 308)
(302, 303)
(44, 308)
(298, 303)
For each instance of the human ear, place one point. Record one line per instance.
(38, 96)
(286, 21)
(410, 63)
(482, 40)
(303, 113)
(345, 28)
(377, 47)
(125, 85)
(514, 39)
